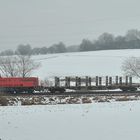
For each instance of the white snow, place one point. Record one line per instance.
(95, 63)
(99, 121)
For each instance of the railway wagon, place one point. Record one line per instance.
(17, 84)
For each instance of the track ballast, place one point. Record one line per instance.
(77, 93)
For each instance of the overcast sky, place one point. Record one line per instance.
(45, 22)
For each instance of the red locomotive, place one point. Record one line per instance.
(17, 84)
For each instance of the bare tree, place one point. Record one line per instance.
(105, 38)
(132, 35)
(17, 66)
(26, 65)
(131, 67)
(8, 66)
(24, 49)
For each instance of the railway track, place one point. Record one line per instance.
(77, 93)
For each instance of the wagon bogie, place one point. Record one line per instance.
(128, 88)
(57, 89)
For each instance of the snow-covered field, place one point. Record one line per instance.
(96, 121)
(94, 63)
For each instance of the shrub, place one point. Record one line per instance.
(27, 102)
(3, 101)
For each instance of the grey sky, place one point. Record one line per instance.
(45, 22)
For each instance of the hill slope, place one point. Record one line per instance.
(83, 63)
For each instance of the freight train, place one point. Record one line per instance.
(32, 84)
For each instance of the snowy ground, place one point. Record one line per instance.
(94, 63)
(99, 121)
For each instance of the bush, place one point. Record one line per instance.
(125, 99)
(3, 101)
(27, 102)
(86, 100)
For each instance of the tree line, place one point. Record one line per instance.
(28, 50)
(106, 41)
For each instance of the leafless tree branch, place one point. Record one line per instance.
(131, 67)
